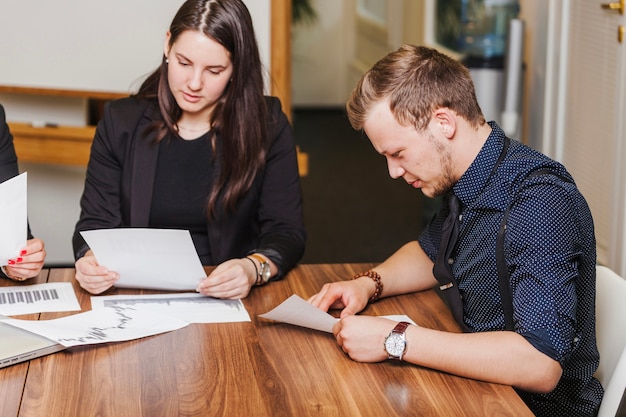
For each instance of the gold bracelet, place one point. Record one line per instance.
(377, 280)
(5, 272)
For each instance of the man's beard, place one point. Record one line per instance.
(447, 181)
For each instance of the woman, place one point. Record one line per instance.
(31, 258)
(200, 148)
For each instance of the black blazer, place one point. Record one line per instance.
(120, 178)
(8, 158)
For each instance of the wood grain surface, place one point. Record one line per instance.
(257, 368)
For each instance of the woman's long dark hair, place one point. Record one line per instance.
(240, 116)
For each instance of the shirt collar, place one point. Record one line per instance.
(473, 181)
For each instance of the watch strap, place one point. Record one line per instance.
(399, 329)
(263, 271)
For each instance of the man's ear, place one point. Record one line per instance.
(445, 121)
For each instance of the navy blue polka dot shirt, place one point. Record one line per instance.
(550, 253)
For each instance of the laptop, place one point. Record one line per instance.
(18, 345)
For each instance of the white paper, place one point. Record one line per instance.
(110, 324)
(13, 217)
(161, 259)
(190, 307)
(38, 298)
(295, 310)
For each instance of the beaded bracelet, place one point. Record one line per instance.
(377, 280)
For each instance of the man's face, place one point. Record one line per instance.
(422, 159)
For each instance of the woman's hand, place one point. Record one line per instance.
(93, 277)
(232, 279)
(29, 263)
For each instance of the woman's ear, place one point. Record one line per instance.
(166, 45)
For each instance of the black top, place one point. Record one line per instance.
(179, 201)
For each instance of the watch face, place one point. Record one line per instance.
(394, 345)
(265, 271)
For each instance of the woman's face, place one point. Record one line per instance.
(199, 70)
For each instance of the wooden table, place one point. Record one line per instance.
(257, 368)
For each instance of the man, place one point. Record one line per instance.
(419, 110)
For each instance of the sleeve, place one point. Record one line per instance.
(282, 233)
(430, 238)
(8, 158)
(543, 251)
(100, 203)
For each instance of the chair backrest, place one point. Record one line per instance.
(611, 337)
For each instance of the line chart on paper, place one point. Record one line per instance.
(108, 324)
(190, 307)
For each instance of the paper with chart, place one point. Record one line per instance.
(38, 298)
(13, 217)
(159, 259)
(109, 324)
(190, 307)
(295, 310)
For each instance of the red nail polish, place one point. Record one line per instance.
(23, 252)
(18, 260)
(11, 262)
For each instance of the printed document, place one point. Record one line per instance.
(159, 259)
(295, 310)
(190, 307)
(38, 298)
(110, 324)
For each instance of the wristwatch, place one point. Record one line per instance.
(395, 343)
(264, 270)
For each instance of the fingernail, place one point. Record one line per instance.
(23, 252)
(20, 259)
(11, 262)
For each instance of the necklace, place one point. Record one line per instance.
(179, 127)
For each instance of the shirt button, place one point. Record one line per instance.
(460, 217)
(450, 261)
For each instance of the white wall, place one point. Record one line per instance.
(93, 45)
(321, 55)
(330, 55)
(536, 17)
(89, 45)
(86, 45)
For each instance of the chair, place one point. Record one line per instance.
(611, 338)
